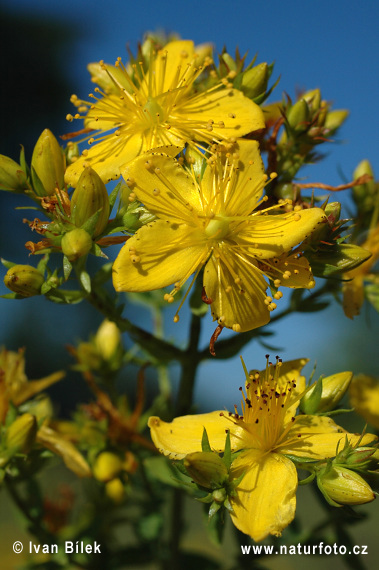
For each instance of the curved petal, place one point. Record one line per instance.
(163, 69)
(158, 255)
(266, 497)
(241, 186)
(318, 437)
(364, 396)
(163, 185)
(292, 271)
(183, 435)
(238, 306)
(270, 236)
(237, 114)
(106, 158)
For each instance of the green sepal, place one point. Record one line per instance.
(310, 404)
(7, 264)
(38, 187)
(113, 196)
(205, 445)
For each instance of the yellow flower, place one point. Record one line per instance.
(265, 432)
(215, 223)
(364, 397)
(142, 111)
(353, 290)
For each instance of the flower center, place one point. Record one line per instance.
(217, 228)
(153, 111)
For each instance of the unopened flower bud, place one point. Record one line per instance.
(206, 469)
(115, 491)
(88, 356)
(107, 466)
(333, 389)
(313, 99)
(298, 116)
(76, 243)
(48, 164)
(343, 257)
(365, 195)
(12, 177)
(334, 119)
(333, 212)
(254, 80)
(21, 434)
(345, 487)
(107, 339)
(24, 280)
(360, 455)
(90, 197)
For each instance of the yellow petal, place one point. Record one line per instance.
(244, 189)
(73, 459)
(106, 158)
(164, 186)
(228, 107)
(266, 497)
(318, 437)
(292, 271)
(183, 435)
(158, 255)
(33, 387)
(163, 70)
(270, 236)
(353, 295)
(364, 396)
(236, 306)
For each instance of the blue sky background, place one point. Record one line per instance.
(330, 45)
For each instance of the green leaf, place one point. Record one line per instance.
(67, 267)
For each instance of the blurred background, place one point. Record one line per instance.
(45, 48)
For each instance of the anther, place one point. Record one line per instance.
(156, 191)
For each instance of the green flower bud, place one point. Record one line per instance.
(333, 389)
(333, 212)
(107, 466)
(360, 455)
(88, 356)
(108, 339)
(229, 61)
(365, 194)
(206, 469)
(24, 280)
(344, 487)
(334, 119)
(21, 435)
(12, 177)
(90, 197)
(76, 243)
(298, 116)
(48, 164)
(313, 99)
(254, 80)
(341, 258)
